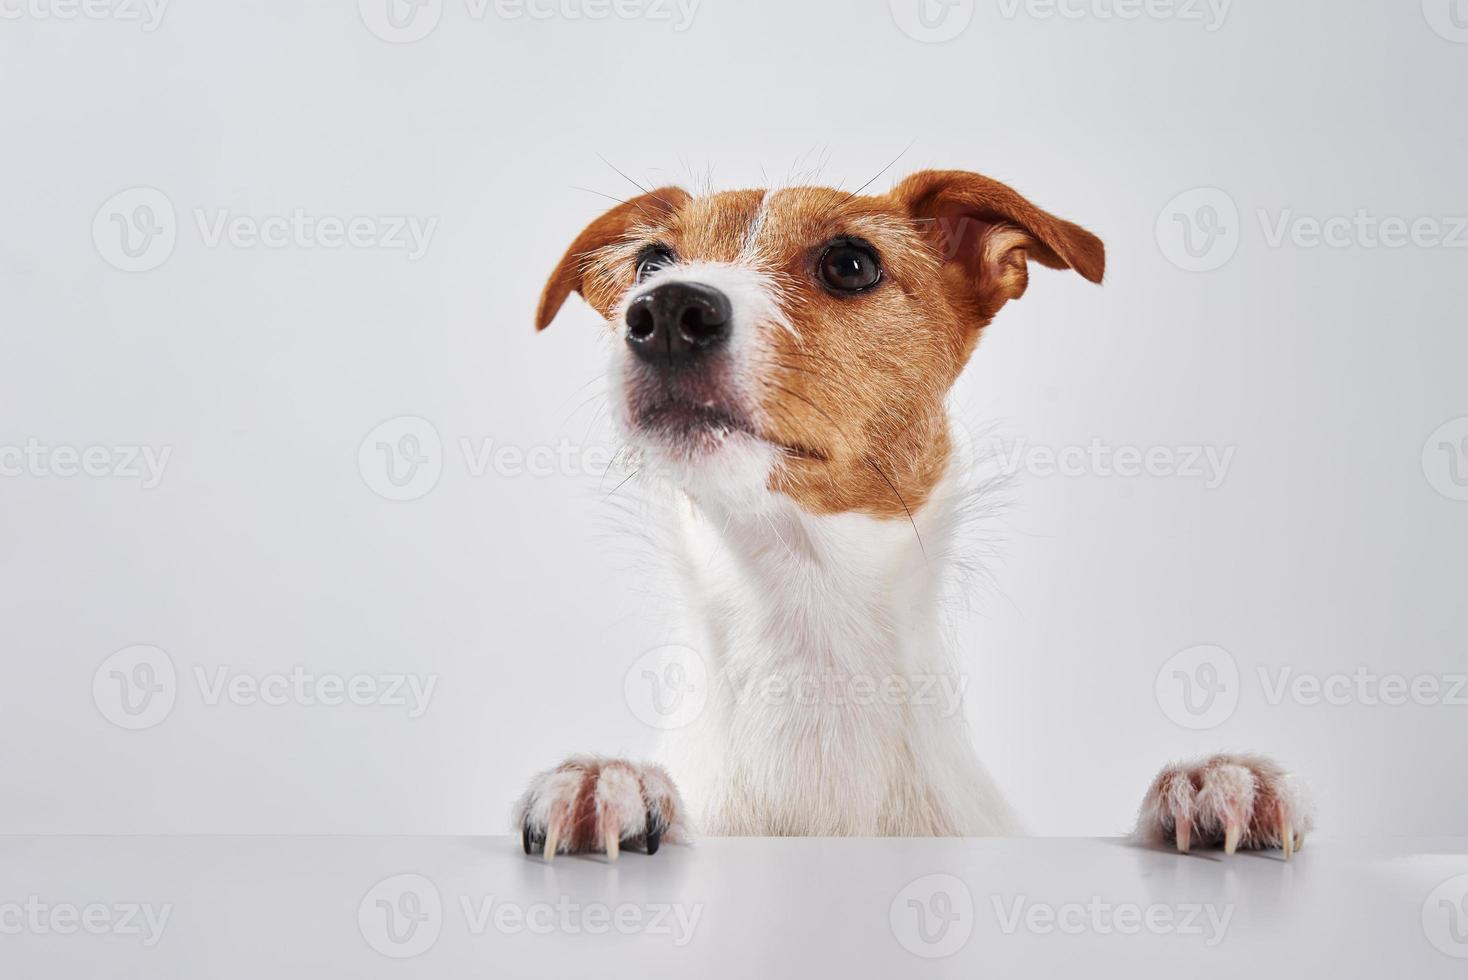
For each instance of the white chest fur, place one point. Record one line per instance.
(835, 703)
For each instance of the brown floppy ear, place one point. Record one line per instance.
(611, 227)
(991, 232)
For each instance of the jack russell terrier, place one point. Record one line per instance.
(781, 361)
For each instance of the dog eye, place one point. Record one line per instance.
(850, 267)
(653, 260)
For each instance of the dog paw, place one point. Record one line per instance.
(1238, 801)
(589, 805)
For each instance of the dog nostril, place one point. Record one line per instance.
(702, 326)
(640, 323)
(691, 323)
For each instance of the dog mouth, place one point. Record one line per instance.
(700, 426)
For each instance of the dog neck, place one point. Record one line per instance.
(780, 589)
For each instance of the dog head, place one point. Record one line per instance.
(803, 341)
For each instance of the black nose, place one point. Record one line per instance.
(678, 322)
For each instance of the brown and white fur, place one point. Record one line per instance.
(819, 493)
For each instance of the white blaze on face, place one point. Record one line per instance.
(742, 464)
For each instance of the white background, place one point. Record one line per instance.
(1328, 547)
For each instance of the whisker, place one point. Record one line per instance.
(857, 193)
(898, 494)
(622, 484)
(636, 184)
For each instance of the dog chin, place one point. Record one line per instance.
(717, 466)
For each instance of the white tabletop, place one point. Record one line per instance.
(476, 907)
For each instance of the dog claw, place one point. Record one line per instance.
(1231, 837)
(654, 837)
(614, 844)
(552, 841)
(1184, 837)
(1287, 839)
(525, 840)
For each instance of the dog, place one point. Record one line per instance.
(781, 362)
